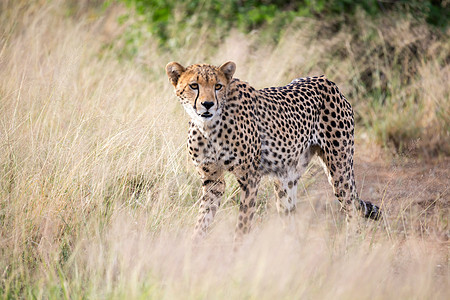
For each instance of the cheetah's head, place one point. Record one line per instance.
(201, 89)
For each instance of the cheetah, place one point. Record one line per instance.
(272, 131)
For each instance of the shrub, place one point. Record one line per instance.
(164, 17)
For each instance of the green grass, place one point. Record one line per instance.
(97, 195)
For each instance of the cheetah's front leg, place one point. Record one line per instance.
(213, 190)
(247, 206)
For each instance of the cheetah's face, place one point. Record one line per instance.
(201, 88)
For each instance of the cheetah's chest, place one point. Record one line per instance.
(211, 150)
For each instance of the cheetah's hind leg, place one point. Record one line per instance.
(341, 178)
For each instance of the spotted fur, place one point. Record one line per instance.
(273, 131)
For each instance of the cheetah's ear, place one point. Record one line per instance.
(174, 71)
(228, 69)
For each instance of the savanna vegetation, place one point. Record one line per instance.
(98, 197)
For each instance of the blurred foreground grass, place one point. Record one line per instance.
(98, 197)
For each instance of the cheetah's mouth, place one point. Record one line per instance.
(206, 115)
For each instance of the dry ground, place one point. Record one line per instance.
(402, 185)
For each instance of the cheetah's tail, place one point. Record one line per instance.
(369, 210)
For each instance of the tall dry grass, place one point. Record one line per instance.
(98, 196)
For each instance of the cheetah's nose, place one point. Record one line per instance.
(207, 104)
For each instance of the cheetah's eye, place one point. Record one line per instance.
(194, 86)
(218, 86)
